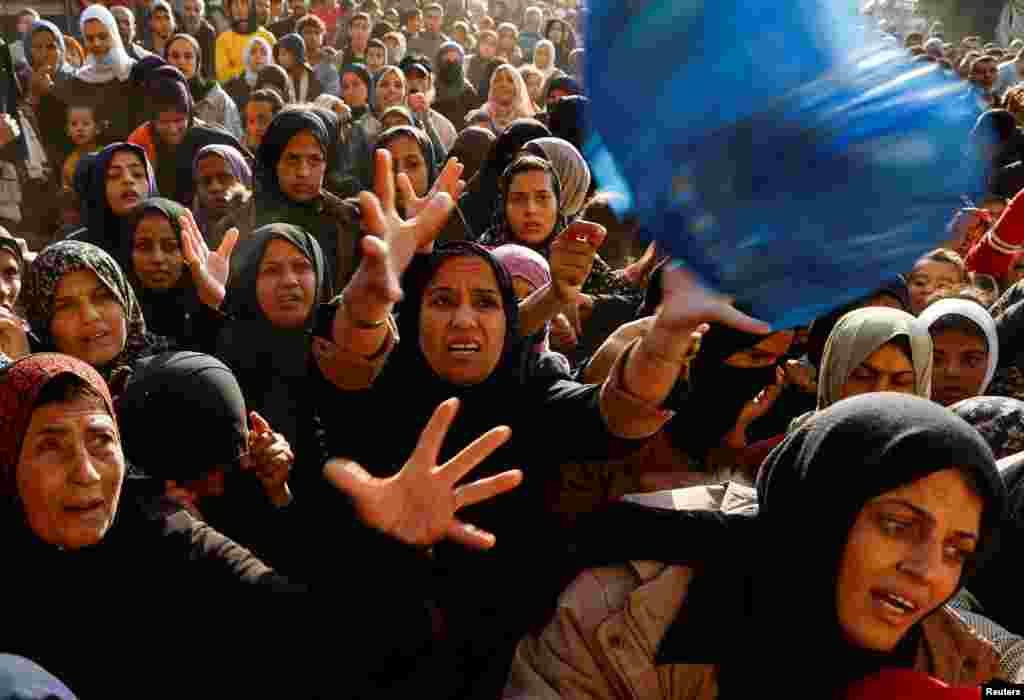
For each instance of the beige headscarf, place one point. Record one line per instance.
(860, 333)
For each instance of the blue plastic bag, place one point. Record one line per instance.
(783, 151)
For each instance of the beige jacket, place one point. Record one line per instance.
(610, 621)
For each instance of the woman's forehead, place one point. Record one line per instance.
(465, 270)
(279, 249)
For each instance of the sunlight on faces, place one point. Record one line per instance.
(45, 51)
(354, 91)
(390, 90)
(961, 362)
(10, 279)
(127, 182)
(462, 321)
(928, 277)
(285, 285)
(69, 473)
(297, 8)
(258, 115)
(503, 86)
(161, 24)
(286, 59)
(910, 542)
(171, 127)
(765, 354)
(534, 85)
(215, 184)
(301, 169)
(886, 369)
(156, 253)
(376, 58)
(98, 40)
(81, 125)
(88, 320)
(258, 56)
(182, 56)
(531, 206)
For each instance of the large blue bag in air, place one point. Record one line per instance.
(788, 155)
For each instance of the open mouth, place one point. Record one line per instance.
(894, 603)
(463, 349)
(130, 198)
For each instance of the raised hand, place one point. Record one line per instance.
(13, 334)
(270, 459)
(688, 304)
(448, 181)
(571, 260)
(210, 271)
(418, 504)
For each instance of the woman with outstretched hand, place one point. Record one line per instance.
(460, 337)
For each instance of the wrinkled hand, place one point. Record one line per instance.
(392, 242)
(210, 271)
(270, 459)
(418, 504)
(13, 334)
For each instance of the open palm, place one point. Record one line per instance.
(210, 271)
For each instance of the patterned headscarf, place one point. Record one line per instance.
(64, 257)
(1000, 421)
(573, 172)
(20, 385)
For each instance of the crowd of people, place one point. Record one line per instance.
(328, 300)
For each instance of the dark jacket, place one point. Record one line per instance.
(206, 35)
(456, 108)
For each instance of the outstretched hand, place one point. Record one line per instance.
(418, 505)
(210, 271)
(688, 304)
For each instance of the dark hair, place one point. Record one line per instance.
(949, 257)
(307, 20)
(382, 28)
(377, 44)
(67, 387)
(275, 77)
(525, 164)
(958, 323)
(270, 96)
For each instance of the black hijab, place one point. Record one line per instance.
(200, 397)
(421, 139)
(481, 195)
(102, 227)
(275, 77)
(166, 311)
(273, 205)
(269, 362)
(736, 616)
(568, 119)
(716, 393)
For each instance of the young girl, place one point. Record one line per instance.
(83, 130)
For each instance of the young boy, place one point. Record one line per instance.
(83, 131)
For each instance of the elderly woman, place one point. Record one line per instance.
(924, 503)
(74, 513)
(223, 180)
(459, 325)
(13, 342)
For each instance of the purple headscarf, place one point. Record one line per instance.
(236, 163)
(520, 261)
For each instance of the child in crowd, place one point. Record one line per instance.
(83, 130)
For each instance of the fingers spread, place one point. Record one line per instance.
(429, 445)
(384, 183)
(470, 536)
(485, 489)
(373, 213)
(475, 453)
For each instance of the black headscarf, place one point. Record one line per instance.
(716, 392)
(568, 119)
(560, 81)
(471, 148)
(361, 72)
(481, 195)
(275, 77)
(200, 397)
(269, 362)
(102, 228)
(273, 205)
(422, 140)
(165, 311)
(501, 232)
(808, 503)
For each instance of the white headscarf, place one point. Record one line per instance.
(550, 69)
(395, 57)
(573, 173)
(251, 76)
(117, 63)
(521, 108)
(981, 318)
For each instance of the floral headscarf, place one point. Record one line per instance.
(64, 257)
(1000, 421)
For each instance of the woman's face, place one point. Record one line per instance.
(88, 320)
(127, 182)
(156, 254)
(394, 119)
(535, 86)
(928, 277)
(98, 39)
(354, 91)
(390, 90)
(301, 169)
(69, 473)
(542, 56)
(765, 354)
(960, 365)
(239, 9)
(555, 33)
(392, 44)
(462, 323)
(182, 56)
(408, 159)
(10, 280)
(488, 48)
(258, 56)
(904, 557)
(216, 184)
(285, 285)
(258, 115)
(886, 369)
(45, 52)
(504, 87)
(531, 207)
